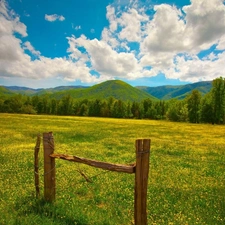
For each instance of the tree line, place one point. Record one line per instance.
(195, 108)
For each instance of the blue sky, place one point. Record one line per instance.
(46, 43)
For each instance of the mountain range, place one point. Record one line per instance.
(167, 92)
(113, 88)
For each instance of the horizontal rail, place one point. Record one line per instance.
(97, 164)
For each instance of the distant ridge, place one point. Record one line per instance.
(32, 91)
(4, 92)
(112, 88)
(177, 91)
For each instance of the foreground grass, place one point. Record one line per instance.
(186, 179)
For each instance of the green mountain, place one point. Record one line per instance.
(23, 90)
(113, 88)
(179, 91)
(4, 92)
(31, 91)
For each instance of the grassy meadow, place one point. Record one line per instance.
(186, 178)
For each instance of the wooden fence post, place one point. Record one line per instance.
(49, 167)
(141, 181)
(36, 166)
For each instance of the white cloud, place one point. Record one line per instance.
(9, 23)
(126, 25)
(196, 69)
(3, 8)
(158, 60)
(166, 42)
(221, 43)
(54, 17)
(27, 45)
(171, 33)
(202, 25)
(10, 49)
(78, 27)
(205, 23)
(103, 58)
(112, 18)
(165, 31)
(131, 25)
(15, 63)
(107, 36)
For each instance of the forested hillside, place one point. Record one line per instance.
(117, 89)
(113, 88)
(195, 108)
(167, 92)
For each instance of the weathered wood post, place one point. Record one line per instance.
(141, 181)
(36, 166)
(49, 167)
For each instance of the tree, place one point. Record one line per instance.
(39, 107)
(218, 100)
(95, 108)
(66, 105)
(137, 110)
(28, 109)
(206, 111)
(1, 105)
(119, 109)
(16, 103)
(110, 103)
(105, 111)
(53, 106)
(193, 101)
(45, 104)
(147, 104)
(173, 111)
(183, 117)
(83, 110)
(128, 111)
(34, 101)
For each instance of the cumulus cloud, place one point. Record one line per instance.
(3, 8)
(15, 63)
(131, 25)
(10, 49)
(103, 58)
(54, 17)
(172, 33)
(221, 43)
(168, 41)
(196, 69)
(111, 18)
(27, 45)
(205, 22)
(165, 31)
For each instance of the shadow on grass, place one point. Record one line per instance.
(46, 213)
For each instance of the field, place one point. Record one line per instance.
(186, 178)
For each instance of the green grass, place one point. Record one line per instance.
(186, 179)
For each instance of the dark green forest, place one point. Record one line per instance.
(194, 108)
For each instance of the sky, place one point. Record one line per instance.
(50, 43)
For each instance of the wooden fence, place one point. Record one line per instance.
(140, 169)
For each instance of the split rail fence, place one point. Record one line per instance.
(140, 169)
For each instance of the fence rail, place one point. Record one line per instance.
(97, 164)
(140, 168)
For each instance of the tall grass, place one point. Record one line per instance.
(186, 179)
